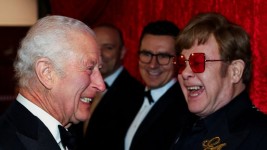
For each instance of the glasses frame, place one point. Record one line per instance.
(191, 63)
(151, 55)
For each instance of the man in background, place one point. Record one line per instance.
(58, 74)
(120, 102)
(163, 112)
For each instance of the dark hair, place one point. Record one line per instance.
(233, 41)
(112, 26)
(160, 27)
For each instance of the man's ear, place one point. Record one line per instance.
(237, 69)
(123, 51)
(44, 71)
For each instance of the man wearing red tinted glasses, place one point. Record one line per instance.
(214, 70)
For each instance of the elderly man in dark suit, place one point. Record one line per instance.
(58, 74)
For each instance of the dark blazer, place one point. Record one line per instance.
(114, 114)
(238, 126)
(159, 128)
(21, 130)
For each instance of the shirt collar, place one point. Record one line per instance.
(157, 93)
(50, 122)
(111, 78)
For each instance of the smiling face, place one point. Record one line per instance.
(80, 82)
(207, 92)
(112, 51)
(154, 74)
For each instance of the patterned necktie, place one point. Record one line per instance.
(67, 139)
(149, 97)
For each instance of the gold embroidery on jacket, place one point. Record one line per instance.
(213, 144)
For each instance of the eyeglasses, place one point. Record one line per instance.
(162, 58)
(196, 61)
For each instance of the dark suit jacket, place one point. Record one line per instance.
(20, 130)
(239, 125)
(114, 114)
(159, 128)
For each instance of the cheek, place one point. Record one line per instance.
(169, 70)
(105, 56)
(108, 55)
(70, 86)
(212, 86)
(181, 82)
(180, 79)
(82, 82)
(141, 67)
(87, 81)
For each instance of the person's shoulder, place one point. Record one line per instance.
(257, 120)
(259, 116)
(257, 126)
(7, 130)
(6, 124)
(130, 80)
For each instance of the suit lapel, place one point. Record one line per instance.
(115, 90)
(32, 133)
(160, 106)
(44, 141)
(158, 109)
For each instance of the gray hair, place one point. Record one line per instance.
(48, 38)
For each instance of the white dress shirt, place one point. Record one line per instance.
(111, 78)
(143, 111)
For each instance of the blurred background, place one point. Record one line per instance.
(16, 16)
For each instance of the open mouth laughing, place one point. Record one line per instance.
(86, 100)
(195, 90)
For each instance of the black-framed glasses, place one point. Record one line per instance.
(196, 61)
(162, 58)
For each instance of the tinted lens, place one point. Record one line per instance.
(180, 62)
(197, 62)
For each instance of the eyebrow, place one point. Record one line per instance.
(160, 53)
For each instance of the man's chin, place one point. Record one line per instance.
(80, 117)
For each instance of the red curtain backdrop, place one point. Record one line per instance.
(132, 15)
